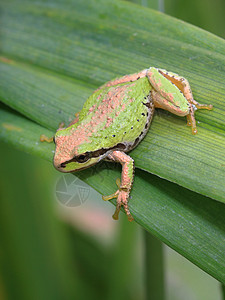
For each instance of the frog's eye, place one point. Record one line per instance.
(83, 158)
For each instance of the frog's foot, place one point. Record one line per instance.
(44, 138)
(194, 105)
(122, 195)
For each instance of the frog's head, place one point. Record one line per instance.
(74, 152)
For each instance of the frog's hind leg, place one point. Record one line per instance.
(184, 86)
(194, 105)
(124, 187)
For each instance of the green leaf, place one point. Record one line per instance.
(86, 45)
(188, 222)
(54, 54)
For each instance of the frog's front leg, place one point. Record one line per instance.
(122, 194)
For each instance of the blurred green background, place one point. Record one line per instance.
(53, 251)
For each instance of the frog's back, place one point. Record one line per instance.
(118, 114)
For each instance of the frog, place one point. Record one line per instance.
(116, 118)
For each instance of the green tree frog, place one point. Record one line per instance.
(115, 118)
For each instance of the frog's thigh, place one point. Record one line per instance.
(182, 84)
(160, 101)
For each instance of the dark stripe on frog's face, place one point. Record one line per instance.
(85, 157)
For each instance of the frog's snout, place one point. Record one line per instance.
(59, 163)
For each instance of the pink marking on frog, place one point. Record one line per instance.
(123, 106)
(127, 78)
(108, 122)
(66, 146)
(170, 96)
(99, 96)
(92, 108)
(126, 181)
(157, 84)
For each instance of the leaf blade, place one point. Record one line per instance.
(196, 162)
(188, 222)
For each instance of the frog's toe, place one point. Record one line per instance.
(116, 213)
(204, 106)
(127, 211)
(122, 200)
(188, 123)
(194, 130)
(110, 197)
(44, 138)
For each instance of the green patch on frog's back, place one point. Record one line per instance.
(121, 124)
(131, 121)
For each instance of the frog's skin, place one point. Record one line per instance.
(116, 117)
